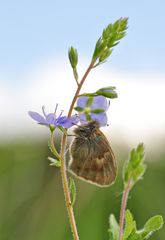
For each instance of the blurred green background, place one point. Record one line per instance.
(32, 202)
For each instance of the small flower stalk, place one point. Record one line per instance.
(92, 158)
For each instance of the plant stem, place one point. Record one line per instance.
(62, 158)
(66, 190)
(123, 208)
(53, 149)
(79, 88)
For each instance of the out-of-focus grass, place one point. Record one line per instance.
(32, 203)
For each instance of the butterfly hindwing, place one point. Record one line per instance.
(93, 159)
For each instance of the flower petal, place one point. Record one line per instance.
(83, 118)
(67, 122)
(75, 119)
(37, 117)
(99, 102)
(51, 119)
(101, 118)
(81, 102)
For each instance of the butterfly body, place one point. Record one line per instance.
(92, 158)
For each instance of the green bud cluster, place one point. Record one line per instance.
(134, 168)
(110, 37)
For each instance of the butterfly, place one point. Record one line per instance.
(92, 158)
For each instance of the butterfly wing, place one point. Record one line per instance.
(93, 160)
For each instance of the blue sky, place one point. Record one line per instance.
(34, 42)
(32, 31)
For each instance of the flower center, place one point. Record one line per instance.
(87, 110)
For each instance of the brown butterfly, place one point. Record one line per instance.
(92, 158)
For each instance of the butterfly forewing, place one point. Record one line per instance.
(92, 158)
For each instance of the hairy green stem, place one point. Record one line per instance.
(62, 159)
(53, 149)
(123, 208)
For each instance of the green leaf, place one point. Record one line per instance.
(110, 37)
(72, 189)
(105, 54)
(73, 57)
(88, 117)
(54, 162)
(88, 95)
(137, 156)
(75, 74)
(131, 233)
(79, 109)
(120, 35)
(63, 130)
(139, 172)
(113, 228)
(105, 34)
(130, 224)
(116, 31)
(53, 150)
(152, 225)
(99, 48)
(89, 101)
(107, 88)
(134, 236)
(134, 168)
(97, 110)
(108, 92)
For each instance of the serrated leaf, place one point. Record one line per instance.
(72, 189)
(152, 225)
(54, 162)
(130, 224)
(113, 228)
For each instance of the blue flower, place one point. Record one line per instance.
(93, 109)
(51, 120)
